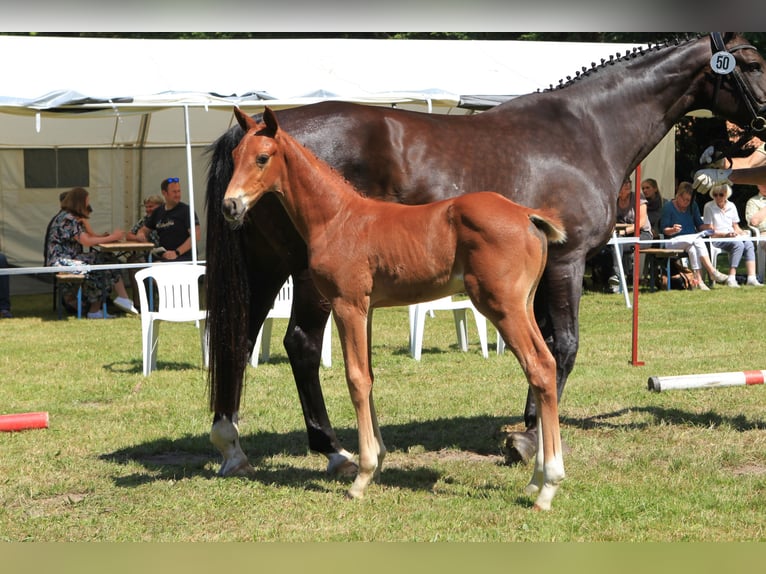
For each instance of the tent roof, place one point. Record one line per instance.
(125, 79)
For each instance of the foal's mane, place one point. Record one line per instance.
(630, 55)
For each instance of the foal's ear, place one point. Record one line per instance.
(270, 119)
(245, 121)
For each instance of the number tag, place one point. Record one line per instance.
(723, 63)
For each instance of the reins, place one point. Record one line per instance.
(718, 46)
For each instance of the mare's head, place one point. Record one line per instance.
(735, 80)
(256, 166)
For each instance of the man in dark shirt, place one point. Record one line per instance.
(172, 223)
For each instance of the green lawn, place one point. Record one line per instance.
(127, 458)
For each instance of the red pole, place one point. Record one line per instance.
(23, 421)
(636, 269)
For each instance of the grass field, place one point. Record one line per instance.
(128, 458)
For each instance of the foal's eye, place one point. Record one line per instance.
(262, 159)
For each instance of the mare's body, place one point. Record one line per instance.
(570, 147)
(364, 253)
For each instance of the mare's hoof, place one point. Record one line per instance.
(341, 466)
(519, 447)
(244, 469)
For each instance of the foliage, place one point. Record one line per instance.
(127, 458)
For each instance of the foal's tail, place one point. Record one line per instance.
(548, 221)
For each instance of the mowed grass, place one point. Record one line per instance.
(128, 458)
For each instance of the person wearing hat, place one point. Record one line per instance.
(720, 215)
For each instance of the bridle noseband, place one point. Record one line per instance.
(758, 123)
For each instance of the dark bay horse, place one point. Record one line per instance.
(480, 243)
(570, 147)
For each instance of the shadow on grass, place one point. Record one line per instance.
(136, 366)
(194, 456)
(673, 416)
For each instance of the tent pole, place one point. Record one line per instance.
(191, 186)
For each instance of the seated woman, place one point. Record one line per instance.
(626, 214)
(70, 233)
(720, 215)
(654, 203)
(682, 225)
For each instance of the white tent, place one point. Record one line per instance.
(147, 109)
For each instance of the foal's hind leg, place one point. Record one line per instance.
(523, 337)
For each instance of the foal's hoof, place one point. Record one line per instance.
(519, 447)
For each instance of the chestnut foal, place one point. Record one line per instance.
(365, 253)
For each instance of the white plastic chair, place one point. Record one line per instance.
(178, 301)
(459, 310)
(760, 253)
(282, 309)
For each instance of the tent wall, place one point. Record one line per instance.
(119, 180)
(129, 110)
(660, 164)
(121, 177)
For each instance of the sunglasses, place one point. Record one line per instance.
(173, 180)
(720, 194)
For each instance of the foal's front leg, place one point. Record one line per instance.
(354, 335)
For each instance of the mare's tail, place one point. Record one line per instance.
(227, 291)
(548, 221)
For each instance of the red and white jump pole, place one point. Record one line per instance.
(24, 421)
(709, 380)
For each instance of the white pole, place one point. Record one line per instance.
(708, 380)
(191, 186)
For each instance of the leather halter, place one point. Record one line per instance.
(758, 123)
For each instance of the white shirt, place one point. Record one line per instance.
(722, 219)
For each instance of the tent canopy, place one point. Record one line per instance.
(115, 83)
(144, 110)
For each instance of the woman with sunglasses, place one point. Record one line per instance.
(720, 215)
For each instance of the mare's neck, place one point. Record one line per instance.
(314, 195)
(644, 96)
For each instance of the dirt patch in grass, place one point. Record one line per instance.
(749, 470)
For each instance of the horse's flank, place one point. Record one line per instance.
(412, 251)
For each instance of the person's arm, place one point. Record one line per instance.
(667, 229)
(132, 235)
(753, 214)
(706, 179)
(143, 233)
(643, 216)
(87, 239)
(758, 157)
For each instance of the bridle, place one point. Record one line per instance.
(758, 123)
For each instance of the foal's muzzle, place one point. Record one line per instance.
(234, 210)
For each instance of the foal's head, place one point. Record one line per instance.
(256, 166)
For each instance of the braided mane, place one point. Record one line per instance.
(635, 53)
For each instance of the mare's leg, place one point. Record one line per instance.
(557, 306)
(303, 342)
(225, 432)
(267, 248)
(353, 322)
